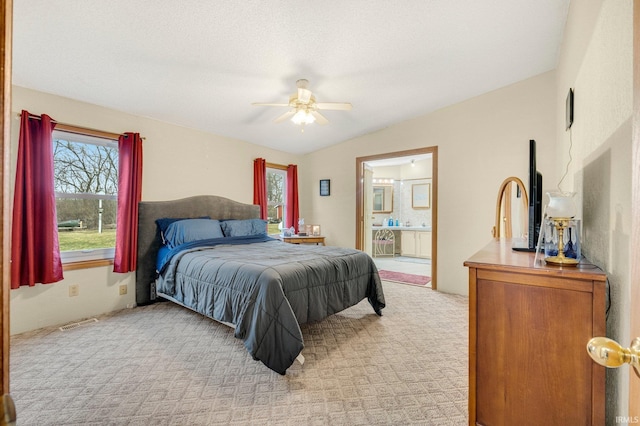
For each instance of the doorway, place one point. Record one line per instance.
(410, 179)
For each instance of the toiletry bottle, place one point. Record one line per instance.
(397, 222)
(390, 221)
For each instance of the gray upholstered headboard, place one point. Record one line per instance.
(149, 240)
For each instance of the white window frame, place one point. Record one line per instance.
(72, 256)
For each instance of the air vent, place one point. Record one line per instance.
(73, 325)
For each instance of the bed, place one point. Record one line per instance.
(262, 287)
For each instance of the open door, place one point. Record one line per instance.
(7, 409)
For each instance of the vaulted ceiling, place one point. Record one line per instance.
(201, 64)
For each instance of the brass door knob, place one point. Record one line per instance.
(609, 353)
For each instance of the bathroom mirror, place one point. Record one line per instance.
(382, 199)
(512, 209)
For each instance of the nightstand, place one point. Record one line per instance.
(296, 239)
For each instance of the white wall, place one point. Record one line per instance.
(597, 61)
(178, 162)
(480, 142)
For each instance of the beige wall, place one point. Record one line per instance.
(178, 162)
(480, 142)
(597, 61)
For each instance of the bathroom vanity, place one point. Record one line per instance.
(410, 241)
(416, 243)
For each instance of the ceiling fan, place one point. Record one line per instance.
(304, 108)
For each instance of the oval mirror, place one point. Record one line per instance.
(511, 210)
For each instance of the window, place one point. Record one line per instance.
(86, 187)
(276, 198)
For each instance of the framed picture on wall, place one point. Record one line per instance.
(325, 187)
(421, 196)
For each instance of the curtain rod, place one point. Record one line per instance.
(276, 166)
(78, 129)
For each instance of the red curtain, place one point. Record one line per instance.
(260, 185)
(293, 213)
(35, 250)
(129, 195)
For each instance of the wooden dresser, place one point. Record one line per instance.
(528, 330)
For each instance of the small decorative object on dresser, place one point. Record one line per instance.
(315, 230)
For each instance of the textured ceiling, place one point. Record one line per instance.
(201, 63)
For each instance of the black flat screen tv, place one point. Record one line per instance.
(535, 201)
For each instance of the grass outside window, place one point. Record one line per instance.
(86, 239)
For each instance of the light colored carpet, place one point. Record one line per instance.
(165, 365)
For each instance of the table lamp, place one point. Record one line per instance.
(561, 211)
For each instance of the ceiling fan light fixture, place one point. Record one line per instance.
(303, 117)
(304, 108)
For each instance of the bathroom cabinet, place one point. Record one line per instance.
(529, 324)
(416, 244)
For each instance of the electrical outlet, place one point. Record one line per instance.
(74, 290)
(123, 289)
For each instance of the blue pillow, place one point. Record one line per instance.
(163, 224)
(243, 228)
(187, 230)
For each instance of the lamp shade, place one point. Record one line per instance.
(561, 204)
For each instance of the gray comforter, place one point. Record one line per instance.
(267, 289)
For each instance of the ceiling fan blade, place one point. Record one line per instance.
(343, 106)
(266, 104)
(320, 119)
(284, 116)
